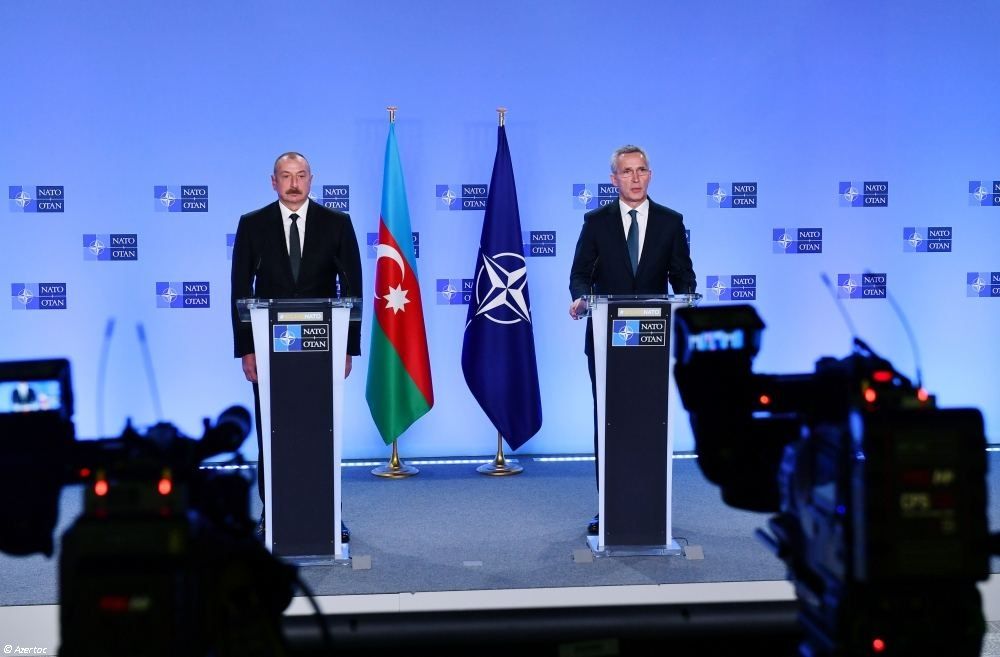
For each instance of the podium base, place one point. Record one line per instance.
(670, 550)
(321, 559)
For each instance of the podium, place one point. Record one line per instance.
(301, 347)
(635, 399)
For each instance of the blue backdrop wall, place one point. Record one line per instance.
(107, 106)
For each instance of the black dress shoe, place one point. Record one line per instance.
(345, 533)
(594, 526)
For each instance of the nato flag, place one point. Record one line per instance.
(498, 353)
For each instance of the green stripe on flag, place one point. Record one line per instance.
(393, 397)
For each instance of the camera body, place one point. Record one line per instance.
(879, 495)
(163, 560)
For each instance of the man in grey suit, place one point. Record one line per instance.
(292, 248)
(632, 246)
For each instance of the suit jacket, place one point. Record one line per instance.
(261, 267)
(601, 264)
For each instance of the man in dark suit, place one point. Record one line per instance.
(634, 246)
(292, 248)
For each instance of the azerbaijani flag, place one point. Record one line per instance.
(399, 388)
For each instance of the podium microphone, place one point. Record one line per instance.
(150, 377)
(102, 371)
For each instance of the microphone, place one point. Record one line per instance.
(843, 311)
(229, 432)
(593, 272)
(909, 333)
(102, 368)
(150, 377)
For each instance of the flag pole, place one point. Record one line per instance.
(395, 468)
(499, 467)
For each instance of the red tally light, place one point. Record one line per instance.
(84, 473)
(165, 486)
(882, 376)
(878, 645)
(100, 488)
(923, 395)
(113, 603)
(765, 400)
(870, 395)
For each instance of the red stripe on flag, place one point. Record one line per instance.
(405, 328)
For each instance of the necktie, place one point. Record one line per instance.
(294, 249)
(632, 240)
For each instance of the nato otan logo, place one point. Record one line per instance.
(861, 286)
(638, 333)
(36, 198)
(110, 246)
(336, 197)
(187, 294)
(927, 239)
(982, 284)
(984, 192)
(597, 195)
(291, 338)
(180, 198)
(737, 287)
(731, 195)
(867, 194)
(454, 291)
(230, 242)
(796, 240)
(372, 242)
(38, 296)
(462, 197)
(539, 243)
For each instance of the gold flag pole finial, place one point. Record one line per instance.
(501, 111)
(392, 113)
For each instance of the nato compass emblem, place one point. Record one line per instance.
(500, 288)
(167, 199)
(448, 198)
(980, 193)
(915, 240)
(851, 194)
(287, 338)
(784, 241)
(585, 197)
(168, 295)
(719, 288)
(97, 247)
(849, 286)
(720, 195)
(22, 199)
(977, 285)
(25, 296)
(449, 291)
(625, 333)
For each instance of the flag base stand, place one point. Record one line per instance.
(499, 467)
(395, 469)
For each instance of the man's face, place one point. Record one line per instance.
(631, 177)
(292, 180)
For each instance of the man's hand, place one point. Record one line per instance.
(347, 366)
(578, 308)
(250, 367)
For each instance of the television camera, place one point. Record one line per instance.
(162, 560)
(879, 495)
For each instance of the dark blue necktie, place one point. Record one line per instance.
(294, 249)
(632, 240)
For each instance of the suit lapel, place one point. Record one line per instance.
(652, 239)
(616, 234)
(276, 236)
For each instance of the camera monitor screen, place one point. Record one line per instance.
(30, 396)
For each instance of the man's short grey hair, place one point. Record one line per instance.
(625, 150)
(290, 155)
